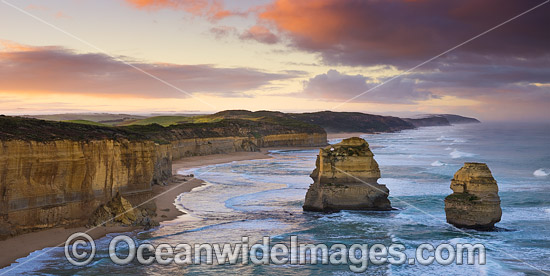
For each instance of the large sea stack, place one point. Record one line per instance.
(475, 203)
(345, 178)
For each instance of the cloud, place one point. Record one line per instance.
(509, 64)
(59, 70)
(211, 9)
(223, 31)
(486, 83)
(260, 34)
(340, 87)
(404, 33)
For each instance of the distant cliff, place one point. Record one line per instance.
(55, 173)
(353, 122)
(339, 122)
(440, 120)
(332, 122)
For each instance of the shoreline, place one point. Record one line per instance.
(23, 245)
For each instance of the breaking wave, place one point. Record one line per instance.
(541, 172)
(460, 154)
(438, 164)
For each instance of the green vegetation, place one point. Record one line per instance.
(86, 122)
(20, 128)
(244, 117)
(102, 118)
(161, 120)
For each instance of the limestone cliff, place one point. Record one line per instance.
(475, 202)
(345, 178)
(56, 174)
(47, 184)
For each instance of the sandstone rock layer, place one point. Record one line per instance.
(345, 178)
(475, 202)
(61, 182)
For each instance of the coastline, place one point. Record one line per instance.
(338, 135)
(22, 245)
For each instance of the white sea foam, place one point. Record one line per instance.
(541, 172)
(460, 154)
(438, 164)
(444, 138)
(448, 148)
(547, 211)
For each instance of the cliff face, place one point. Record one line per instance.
(345, 178)
(206, 146)
(55, 174)
(475, 202)
(292, 140)
(47, 184)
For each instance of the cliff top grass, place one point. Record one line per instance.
(160, 120)
(86, 122)
(19, 128)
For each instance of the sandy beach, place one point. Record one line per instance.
(22, 245)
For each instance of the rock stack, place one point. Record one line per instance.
(474, 203)
(119, 211)
(345, 178)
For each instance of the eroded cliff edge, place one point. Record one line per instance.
(346, 178)
(56, 174)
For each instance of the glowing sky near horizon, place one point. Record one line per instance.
(180, 56)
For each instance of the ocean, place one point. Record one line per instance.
(259, 198)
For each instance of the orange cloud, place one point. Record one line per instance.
(8, 46)
(405, 32)
(212, 9)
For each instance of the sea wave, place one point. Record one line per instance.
(444, 138)
(541, 172)
(438, 164)
(460, 154)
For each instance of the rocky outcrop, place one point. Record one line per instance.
(474, 202)
(119, 211)
(345, 178)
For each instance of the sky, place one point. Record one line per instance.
(489, 59)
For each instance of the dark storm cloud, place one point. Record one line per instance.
(405, 32)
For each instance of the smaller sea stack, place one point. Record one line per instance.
(474, 203)
(345, 178)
